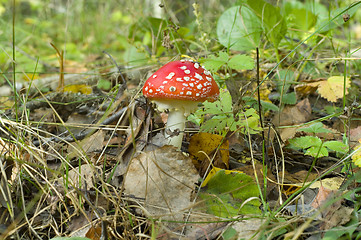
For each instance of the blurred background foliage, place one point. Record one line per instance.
(136, 32)
(131, 31)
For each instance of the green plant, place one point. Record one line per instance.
(223, 119)
(231, 194)
(283, 81)
(314, 146)
(235, 62)
(240, 27)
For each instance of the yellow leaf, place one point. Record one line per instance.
(213, 172)
(207, 146)
(30, 76)
(78, 88)
(332, 88)
(356, 157)
(330, 183)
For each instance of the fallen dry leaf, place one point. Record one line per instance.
(332, 88)
(291, 115)
(321, 196)
(208, 231)
(79, 88)
(247, 228)
(91, 144)
(355, 134)
(207, 146)
(305, 89)
(165, 179)
(81, 177)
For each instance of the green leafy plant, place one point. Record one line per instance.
(314, 146)
(283, 82)
(231, 194)
(273, 23)
(236, 62)
(223, 118)
(239, 29)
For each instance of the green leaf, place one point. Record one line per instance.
(213, 63)
(225, 195)
(239, 29)
(104, 84)
(305, 142)
(266, 106)
(230, 233)
(272, 21)
(317, 152)
(339, 20)
(289, 98)
(315, 128)
(298, 16)
(135, 57)
(284, 79)
(336, 146)
(223, 118)
(241, 62)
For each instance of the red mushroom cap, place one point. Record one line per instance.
(181, 80)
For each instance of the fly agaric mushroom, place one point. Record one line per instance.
(178, 87)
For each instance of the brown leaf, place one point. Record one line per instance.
(332, 88)
(94, 233)
(334, 215)
(355, 134)
(305, 89)
(321, 197)
(291, 115)
(164, 179)
(207, 146)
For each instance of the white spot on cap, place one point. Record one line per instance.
(154, 76)
(185, 84)
(183, 67)
(146, 88)
(198, 76)
(206, 72)
(187, 71)
(181, 93)
(172, 89)
(170, 75)
(179, 79)
(150, 90)
(186, 78)
(164, 82)
(191, 84)
(189, 93)
(199, 86)
(162, 87)
(209, 78)
(197, 94)
(196, 65)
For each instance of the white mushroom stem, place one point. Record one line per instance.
(177, 116)
(174, 130)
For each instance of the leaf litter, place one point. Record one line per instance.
(93, 163)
